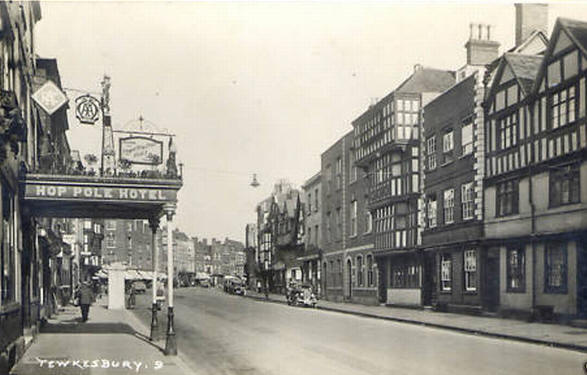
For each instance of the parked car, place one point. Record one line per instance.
(205, 283)
(234, 285)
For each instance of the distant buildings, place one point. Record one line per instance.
(280, 223)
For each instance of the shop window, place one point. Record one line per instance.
(516, 270)
(405, 276)
(445, 272)
(470, 268)
(556, 268)
(507, 198)
(564, 185)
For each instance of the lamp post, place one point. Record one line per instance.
(154, 225)
(170, 342)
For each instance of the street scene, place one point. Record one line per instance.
(293, 188)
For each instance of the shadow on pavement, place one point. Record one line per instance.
(76, 326)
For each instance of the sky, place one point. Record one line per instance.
(253, 87)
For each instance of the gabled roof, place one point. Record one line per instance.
(523, 67)
(576, 32)
(535, 36)
(427, 80)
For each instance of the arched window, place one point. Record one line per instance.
(370, 280)
(360, 270)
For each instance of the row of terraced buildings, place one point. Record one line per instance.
(460, 190)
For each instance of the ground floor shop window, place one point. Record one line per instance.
(516, 270)
(445, 272)
(405, 276)
(470, 268)
(556, 268)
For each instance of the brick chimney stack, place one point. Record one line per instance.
(530, 17)
(481, 50)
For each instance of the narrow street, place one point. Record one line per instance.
(225, 334)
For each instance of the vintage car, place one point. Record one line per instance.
(234, 285)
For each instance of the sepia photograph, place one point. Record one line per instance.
(293, 187)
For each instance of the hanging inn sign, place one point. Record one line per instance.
(87, 109)
(141, 150)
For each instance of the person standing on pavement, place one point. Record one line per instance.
(86, 297)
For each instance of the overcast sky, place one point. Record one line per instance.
(253, 87)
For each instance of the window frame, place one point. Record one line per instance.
(448, 206)
(512, 193)
(445, 274)
(470, 270)
(431, 158)
(467, 201)
(571, 174)
(517, 271)
(549, 248)
(467, 148)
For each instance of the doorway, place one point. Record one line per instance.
(492, 276)
(429, 279)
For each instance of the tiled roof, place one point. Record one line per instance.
(427, 80)
(525, 68)
(577, 29)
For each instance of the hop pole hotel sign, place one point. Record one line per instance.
(49, 97)
(145, 194)
(141, 150)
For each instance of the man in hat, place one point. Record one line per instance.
(86, 297)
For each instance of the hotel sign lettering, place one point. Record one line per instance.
(106, 193)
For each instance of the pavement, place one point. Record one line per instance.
(554, 335)
(110, 342)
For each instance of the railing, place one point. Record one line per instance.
(55, 169)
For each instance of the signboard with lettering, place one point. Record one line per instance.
(99, 193)
(141, 150)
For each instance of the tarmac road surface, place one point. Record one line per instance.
(226, 334)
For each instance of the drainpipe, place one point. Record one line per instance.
(532, 239)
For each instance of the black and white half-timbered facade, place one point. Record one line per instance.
(535, 190)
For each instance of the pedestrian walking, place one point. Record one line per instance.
(86, 297)
(132, 296)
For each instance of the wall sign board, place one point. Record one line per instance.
(141, 150)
